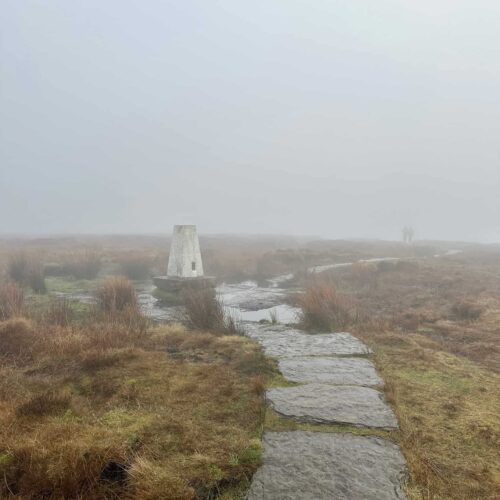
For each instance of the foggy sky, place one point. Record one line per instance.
(337, 118)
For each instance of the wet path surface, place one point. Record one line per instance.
(316, 466)
(338, 384)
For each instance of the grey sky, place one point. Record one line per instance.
(337, 118)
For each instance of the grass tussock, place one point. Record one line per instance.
(47, 403)
(118, 308)
(35, 278)
(16, 338)
(11, 300)
(26, 271)
(323, 308)
(84, 264)
(116, 295)
(465, 310)
(204, 310)
(17, 267)
(60, 312)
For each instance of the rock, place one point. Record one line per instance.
(328, 404)
(341, 371)
(319, 466)
(283, 341)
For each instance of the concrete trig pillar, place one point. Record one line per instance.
(185, 256)
(185, 268)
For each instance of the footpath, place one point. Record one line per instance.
(336, 383)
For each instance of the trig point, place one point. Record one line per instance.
(185, 267)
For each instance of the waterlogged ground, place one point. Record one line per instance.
(253, 303)
(84, 291)
(246, 301)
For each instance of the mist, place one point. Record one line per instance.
(331, 118)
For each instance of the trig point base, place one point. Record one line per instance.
(185, 268)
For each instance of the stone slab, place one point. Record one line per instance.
(319, 466)
(340, 371)
(283, 341)
(333, 404)
(249, 296)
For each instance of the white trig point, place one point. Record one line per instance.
(185, 267)
(185, 256)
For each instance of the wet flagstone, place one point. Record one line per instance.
(319, 466)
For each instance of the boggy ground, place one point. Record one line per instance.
(106, 410)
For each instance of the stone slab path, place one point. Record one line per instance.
(337, 385)
(282, 341)
(333, 370)
(315, 466)
(327, 404)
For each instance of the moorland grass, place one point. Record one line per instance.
(96, 411)
(448, 409)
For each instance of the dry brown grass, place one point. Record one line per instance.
(204, 310)
(11, 300)
(107, 407)
(118, 310)
(16, 339)
(116, 295)
(448, 410)
(324, 308)
(92, 417)
(466, 310)
(59, 312)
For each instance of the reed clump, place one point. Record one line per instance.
(11, 300)
(323, 308)
(84, 264)
(26, 270)
(204, 310)
(117, 294)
